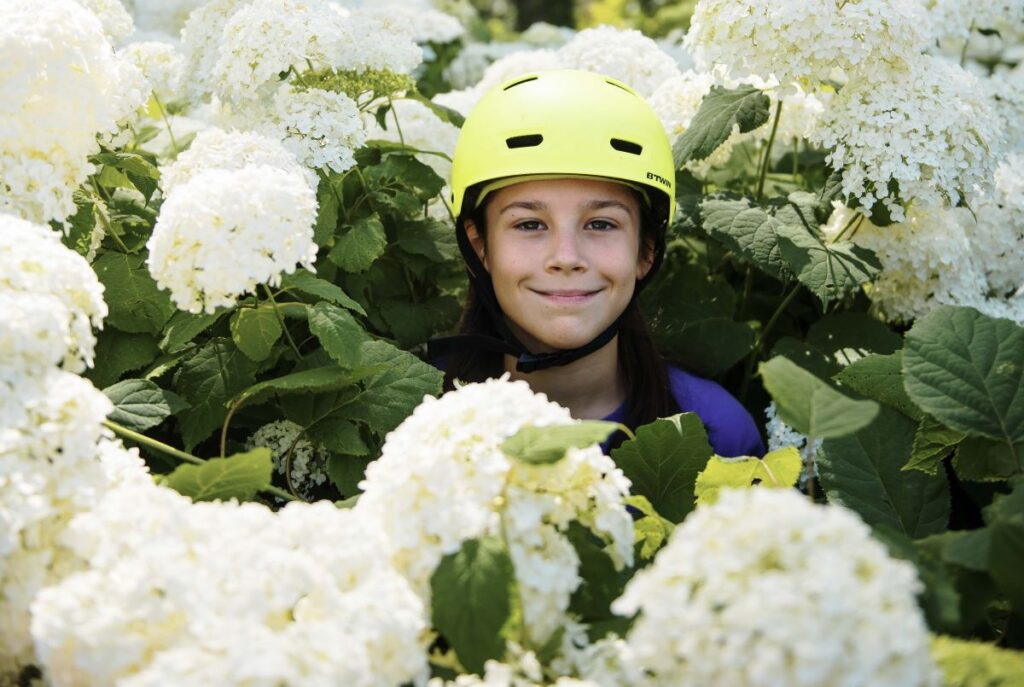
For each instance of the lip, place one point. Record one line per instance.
(567, 296)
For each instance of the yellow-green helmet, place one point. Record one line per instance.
(565, 122)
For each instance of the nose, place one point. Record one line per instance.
(564, 252)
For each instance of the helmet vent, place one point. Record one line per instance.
(627, 146)
(528, 141)
(521, 81)
(618, 85)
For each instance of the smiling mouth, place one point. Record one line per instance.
(568, 296)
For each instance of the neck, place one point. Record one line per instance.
(591, 387)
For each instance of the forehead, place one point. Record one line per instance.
(558, 192)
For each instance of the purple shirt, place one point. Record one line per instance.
(731, 429)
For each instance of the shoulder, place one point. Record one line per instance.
(731, 429)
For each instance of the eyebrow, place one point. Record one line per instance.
(535, 205)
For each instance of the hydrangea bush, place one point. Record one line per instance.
(224, 243)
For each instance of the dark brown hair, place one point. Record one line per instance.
(644, 372)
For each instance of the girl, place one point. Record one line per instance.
(562, 187)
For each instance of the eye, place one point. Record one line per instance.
(601, 224)
(529, 225)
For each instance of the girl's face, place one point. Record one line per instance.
(564, 256)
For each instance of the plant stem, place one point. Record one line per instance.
(398, 126)
(152, 443)
(101, 212)
(167, 123)
(763, 171)
(755, 350)
(809, 466)
(280, 321)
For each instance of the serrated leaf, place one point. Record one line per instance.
(848, 337)
(880, 377)
(748, 230)
(340, 436)
(445, 114)
(239, 476)
(721, 111)
(651, 530)
(118, 352)
(601, 583)
(932, 442)
(207, 379)
(184, 327)
(306, 282)
(967, 370)
(549, 444)
(982, 460)
(339, 333)
(136, 303)
(472, 599)
(863, 472)
(663, 460)
(140, 404)
(779, 469)
(809, 405)
(255, 331)
(327, 212)
(359, 245)
(830, 271)
(315, 380)
(1006, 560)
(346, 472)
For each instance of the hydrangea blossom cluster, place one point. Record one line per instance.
(525, 671)
(116, 21)
(955, 20)
(222, 593)
(624, 54)
(63, 85)
(443, 479)
(766, 587)
(804, 42)
(427, 25)
(160, 63)
(468, 67)
(321, 128)
(52, 300)
(304, 463)
(930, 128)
(223, 233)
(165, 17)
(514, 64)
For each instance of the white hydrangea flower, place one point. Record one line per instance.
(623, 54)
(264, 38)
(321, 128)
(1007, 92)
(420, 129)
(956, 19)
(427, 24)
(160, 63)
(305, 464)
(116, 21)
(36, 270)
(441, 479)
(201, 39)
(805, 41)
(468, 67)
(62, 85)
(57, 462)
(375, 40)
(518, 63)
(524, 670)
(766, 587)
(224, 232)
(318, 603)
(930, 128)
(161, 16)
(544, 35)
(215, 148)
(461, 101)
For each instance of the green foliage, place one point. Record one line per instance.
(880, 377)
(472, 593)
(255, 331)
(549, 444)
(778, 469)
(811, 406)
(977, 664)
(338, 332)
(359, 245)
(933, 441)
(236, 477)
(118, 352)
(720, 111)
(863, 471)
(140, 404)
(663, 461)
(136, 304)
(601, 582)
(830, 270)
(747, 229)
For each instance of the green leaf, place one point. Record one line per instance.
(809, 405)
(977, 664)
(720, 112)
(848, 337)
(1006, 560)
(933, 441)
(806, 356)
(427, 237)
(445, 114)
(236, 477)
(255, 331)
(829, 271)
(601, 582)
(184, 327)
(136, 303)
(967, 549)
(472, 599)
(315, 380)
(863, 473)
(359, 245)
(939, 600)
(129, 162)
(880, 377)
(984, 460)
(340, 436)
(338, 332)
(413, 323)
(140, 404)
(967, 370)
(549, 444)
(663, 460)
(346, 472)
(746, 229)
(307, 283)
(118, 352)
(651, 530)
(327, 212)
(779, 469)
(207, 379)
